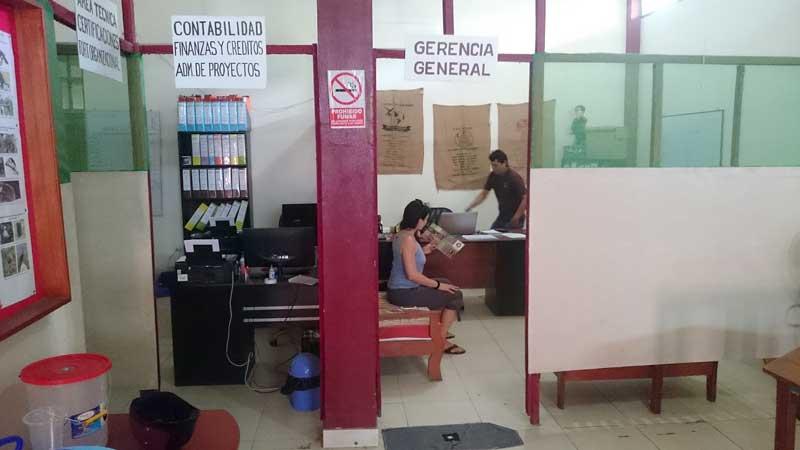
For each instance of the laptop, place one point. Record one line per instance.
(459, 223)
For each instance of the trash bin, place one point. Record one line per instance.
(302, 385)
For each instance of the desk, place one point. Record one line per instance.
(200, 325)
(786, 371)
(215, 430)
(497, 266)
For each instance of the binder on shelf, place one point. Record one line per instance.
(241, 110)
(220, 183)
(196, 183)
(204, 183)
(190, 115)
(224, 114)
(242, 144)
(234, 210)
(203, 223)
(217, 113)
(233, 113)
(186, 161)
(241, 216)
(198, 214)
(196, 150)
(186, 178)
(199, 114)
(182, 120)
(204, 151)
(209, 115)
(223, 211)
(235, 182)
(217, 148)
(243, 192)
(212, 183)
(226, 149)
(228, 183)
(234, 144)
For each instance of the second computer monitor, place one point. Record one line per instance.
(264, 247)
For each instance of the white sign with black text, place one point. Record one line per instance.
(219, 52)
(98, 27)
(450, 58)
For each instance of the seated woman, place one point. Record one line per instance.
(409, 287)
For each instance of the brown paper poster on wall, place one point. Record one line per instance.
(512, 135)
(400, 136)
(461, 146)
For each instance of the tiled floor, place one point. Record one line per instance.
(486, 384)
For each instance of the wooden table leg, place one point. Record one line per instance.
(561, 390)
(785, 416)
(532, 397)
(656, 389)
(711, 383)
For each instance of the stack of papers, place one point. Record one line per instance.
(478, 237)
(514, 235)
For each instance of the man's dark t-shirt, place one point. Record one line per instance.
(509, 189)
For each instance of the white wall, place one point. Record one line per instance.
(113, 233)
(585, 26)
(659, 266)
(724, 27)
(60, 332)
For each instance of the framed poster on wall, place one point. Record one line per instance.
(34, 277)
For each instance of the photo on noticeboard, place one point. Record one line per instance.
(10, 167)
(9, 257)
(5, 80)
(8, 143)
(6, 107)
(20, 230)
(6, 233)
(23, 259)
(9, 191)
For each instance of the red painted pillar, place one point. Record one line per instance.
(347, 202)
(633, 26)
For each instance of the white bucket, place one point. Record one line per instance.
(78, 385)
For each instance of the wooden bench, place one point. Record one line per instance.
(410, 332)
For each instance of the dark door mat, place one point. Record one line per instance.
(465, 436)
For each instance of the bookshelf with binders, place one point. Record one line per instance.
(214, 157)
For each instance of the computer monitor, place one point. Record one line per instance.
(298, 215)
(262, 247)
(459, 223)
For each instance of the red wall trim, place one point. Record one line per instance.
(448, 20)
(541, 14)
(128, 21)
(633, 27)
(63, 15)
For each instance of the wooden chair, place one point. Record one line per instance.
(411, 332)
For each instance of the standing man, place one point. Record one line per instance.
(510, 190)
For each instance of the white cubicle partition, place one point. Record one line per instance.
(650, 266)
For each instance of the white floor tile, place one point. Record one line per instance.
(508, 413)
(477, 362)
(440, 413)
(421, 389)
(546, 439)
(390, 389)
(508, 385)
(393, 415)
(245, 445)
(612, 438)
(758, 434)
(693, 436)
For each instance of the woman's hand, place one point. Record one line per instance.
(449, 288)
(428, 248)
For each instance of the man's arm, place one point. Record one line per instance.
(479, 199)
(520, 213)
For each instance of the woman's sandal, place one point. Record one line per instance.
(450, 336)
(454, 349)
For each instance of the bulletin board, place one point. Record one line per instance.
(34, 277)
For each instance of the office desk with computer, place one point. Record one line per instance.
(224, 290)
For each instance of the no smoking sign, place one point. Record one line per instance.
(346, 98)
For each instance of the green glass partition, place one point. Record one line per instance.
(664, 111)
